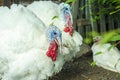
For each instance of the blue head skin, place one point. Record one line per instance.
(65, 8)
(54, 34)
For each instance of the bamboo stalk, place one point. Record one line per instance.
(87, 16)
(118, 24)
(102, 23)
(93, 23)
(110, 23)
(81, 16)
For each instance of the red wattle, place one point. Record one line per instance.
(69, 27)
(48, 53)
(52, 51)
(71, 30)
(66, 29)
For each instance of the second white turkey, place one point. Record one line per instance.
(105, 57)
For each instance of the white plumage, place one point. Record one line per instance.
(46, 10)
(24, 45)
(106, 57)
(24, 52)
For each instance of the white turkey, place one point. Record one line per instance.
(29, 50)
(105, 57)
(59, 15)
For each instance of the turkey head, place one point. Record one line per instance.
(66, 15)
(97, 39)
(55, 41)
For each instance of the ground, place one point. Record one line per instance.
(81, 69)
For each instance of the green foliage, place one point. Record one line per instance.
(95, 18)
(116, 63)
(113, 12)
(113, 35)
(109, 7)
(93, 34)
(87, 40)
(82, 7)
(54, 17)
(93, 63)
(97, 53)
(113, 45)
(51, 24)
(90, 35)
(115, 38)
(69, 1)
(107, 36)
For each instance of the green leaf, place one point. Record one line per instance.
(95, 18)
(107, 36)
(93, 34)
(115, 1)
(117, 30)
(103, 1)
(115, 38)
(54, 17)
(87, 40)
(97, 53)
(117, 7)
(82, 7)
(111, 47)
(69, 1)
(113, 12)
(93, 63)
(51, 24)
(116, 63)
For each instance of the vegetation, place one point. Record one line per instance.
(106, 7)
(110, 36)
(109, 7)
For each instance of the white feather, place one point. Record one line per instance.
(23, 46)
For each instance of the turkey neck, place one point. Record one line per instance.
(68, 25)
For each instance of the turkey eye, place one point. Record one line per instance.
(55, 33)
(66, 8)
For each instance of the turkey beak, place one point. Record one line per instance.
(59, 43)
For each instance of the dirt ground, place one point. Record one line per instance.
(81, 69)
